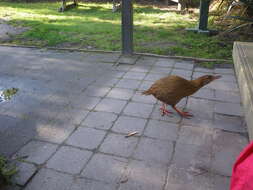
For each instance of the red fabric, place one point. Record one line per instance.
(242, 175)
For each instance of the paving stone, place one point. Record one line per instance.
(145, 85)
(86, 138)
(154, 150)
(16, 137)
(183, 73)
(139, 97)
(200, 74)
(140, 68)
(125, 59)
(101, 57)
(101, 120)
(174, 118)
(192, 157)
(227, 96)
(161, 130)
(25, 172)
(97, 91)
(224, 155)
(56, 131)
(229, 123)
(224, 71)
(116, 74)
(126, 124)
(184, 65)
(50, 180)
(69, 159)
(134, 75)
(195, 135)
(205, 94)
(146, 60)
(105, 168)
(220, 85)
(198, 122)
(228, 108)
(228, 78)
(165, 62)
(180, 179)
(78, 115)
(122, 67)
(138, 109)
(120, 93)
(203, 70)
(111, 105)
(8, 121)
(82, 184)
(201, 108)
(83, 102)
(221, 182)
(128, 83)
(106, 81)
(118, 145)
(144, 176)
(154, 76)
(47, 109)
(37, 152)
(76, 87)
(165, 70)
(181, 104)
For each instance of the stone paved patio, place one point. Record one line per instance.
(73, 110)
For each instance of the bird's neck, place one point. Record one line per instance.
(197, 83)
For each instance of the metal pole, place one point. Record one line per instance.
(127, 27)
(203, 14)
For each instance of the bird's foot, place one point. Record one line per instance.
(164, 111)
(186, 114)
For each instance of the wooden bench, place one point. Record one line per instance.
(65, 7)
(116, 5)
(243, 62)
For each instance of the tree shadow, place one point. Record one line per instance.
(51, 100)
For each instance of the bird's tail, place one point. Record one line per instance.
(147, 92)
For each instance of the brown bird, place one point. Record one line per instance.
(171, 89)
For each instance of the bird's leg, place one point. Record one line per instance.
(182, 113)
(164, 111)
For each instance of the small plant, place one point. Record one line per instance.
(6, 171)
(8, 93)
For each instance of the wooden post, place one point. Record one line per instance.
(203, 19)
(203, 14)
(127, 27)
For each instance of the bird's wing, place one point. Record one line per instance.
(172, 89)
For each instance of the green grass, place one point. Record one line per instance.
(7, 171)
(95, 26)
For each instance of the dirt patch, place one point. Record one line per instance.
(7, 31)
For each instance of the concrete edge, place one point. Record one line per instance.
(196, 59)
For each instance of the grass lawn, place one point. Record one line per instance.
(94, 26)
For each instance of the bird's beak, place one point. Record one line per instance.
(216, 77)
